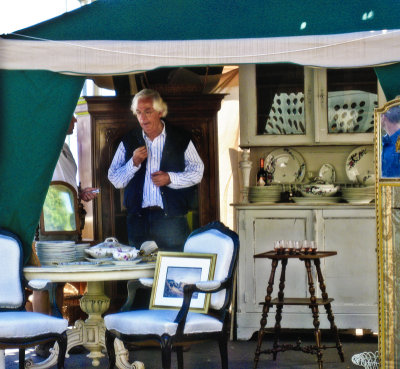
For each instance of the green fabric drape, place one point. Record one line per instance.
(389, 78)
(36, 108)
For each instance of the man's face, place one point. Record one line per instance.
(71, 126)
(149, 119)
(390, 128)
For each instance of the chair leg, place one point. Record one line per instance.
(62, 345)
(110, 349)
(223, 350)
(166, 348)
(21, 358)
(179, 356)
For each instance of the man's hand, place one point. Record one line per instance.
(139, 155)
(160, 178)
(88, 194)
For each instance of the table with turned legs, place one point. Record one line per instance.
(313, 302)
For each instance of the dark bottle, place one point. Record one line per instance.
(261, 174)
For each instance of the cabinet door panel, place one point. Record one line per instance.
(350, 276)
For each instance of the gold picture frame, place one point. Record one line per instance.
(388, 235)
(173, 271)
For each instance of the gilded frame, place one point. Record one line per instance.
(70, 191)
(180, 268)
(388, 235)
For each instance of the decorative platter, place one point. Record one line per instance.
(358, 201)
(327, 173)
(126, 262)
(285, 166)
(351, 111)
(100, 260)
(286, 115)
(83, 264)
(360, 163)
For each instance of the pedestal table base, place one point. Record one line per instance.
(90, 333)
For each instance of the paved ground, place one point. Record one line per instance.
(206, 356)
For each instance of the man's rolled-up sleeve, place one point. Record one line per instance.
(193, 173)
(121, 172)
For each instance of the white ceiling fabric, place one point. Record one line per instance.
(119, 57)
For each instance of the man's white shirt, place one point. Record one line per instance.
(121, 172)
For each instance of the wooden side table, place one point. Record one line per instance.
(313, 302)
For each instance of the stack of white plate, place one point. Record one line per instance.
(266, 194)
(55, 252)
(80, 251)
(316, 200)
(359, 195)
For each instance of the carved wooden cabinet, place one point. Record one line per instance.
(103, 121)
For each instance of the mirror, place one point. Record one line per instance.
(387, 158)
(388, 138)
(60, 215)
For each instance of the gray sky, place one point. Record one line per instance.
(18, 14)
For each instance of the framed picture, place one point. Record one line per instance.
(176, 269)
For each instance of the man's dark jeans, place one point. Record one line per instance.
(169, 233)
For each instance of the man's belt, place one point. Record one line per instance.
(152, 208)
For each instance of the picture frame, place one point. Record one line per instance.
(173, 271)
(388, 231)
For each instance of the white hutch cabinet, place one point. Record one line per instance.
(323, 114)
(350, 276)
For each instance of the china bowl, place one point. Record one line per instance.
(125, 255)
(318, 190)
(107, 248)
(359, 195)
(148, 247)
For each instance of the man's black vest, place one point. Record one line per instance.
(175, 202)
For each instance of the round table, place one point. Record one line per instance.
(91, 332)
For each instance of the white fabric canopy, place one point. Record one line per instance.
(120, 57)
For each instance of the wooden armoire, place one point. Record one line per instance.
(103, 121)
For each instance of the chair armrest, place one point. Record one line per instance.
(208, 286)
(188, 290)
(147, 282)
(133, 286)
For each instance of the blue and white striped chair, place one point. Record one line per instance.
(19, 328)
(172, 328)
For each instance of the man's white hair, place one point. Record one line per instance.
(158, 103)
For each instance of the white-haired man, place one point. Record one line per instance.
(159, 168)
